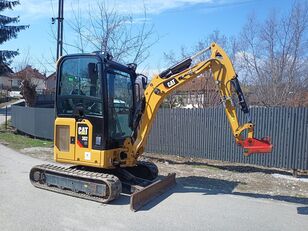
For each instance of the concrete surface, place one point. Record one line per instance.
(187, 207)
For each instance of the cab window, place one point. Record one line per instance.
(80, 84)
(120, 103)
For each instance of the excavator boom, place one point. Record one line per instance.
(225, 78)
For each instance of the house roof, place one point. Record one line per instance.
(52, 76)
(29, 72)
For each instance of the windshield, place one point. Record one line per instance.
(120, 103)
(80, 85)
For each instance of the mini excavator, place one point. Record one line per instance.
(104, 113)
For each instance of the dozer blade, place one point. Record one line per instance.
(144, 196)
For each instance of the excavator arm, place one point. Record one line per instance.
(171, 79)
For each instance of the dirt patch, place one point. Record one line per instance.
(238, 179)
(42, 153)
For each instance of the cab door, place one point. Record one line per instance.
(78, 101)
(120, 106)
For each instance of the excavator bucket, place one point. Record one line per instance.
(253, 145)
(145, 195)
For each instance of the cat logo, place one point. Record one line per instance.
(170, 83)
(83, 131)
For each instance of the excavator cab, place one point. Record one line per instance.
(99, 90)
(96, 99)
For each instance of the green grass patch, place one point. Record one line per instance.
(18, 141)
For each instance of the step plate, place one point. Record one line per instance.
(144, 196)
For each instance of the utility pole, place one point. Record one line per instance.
(60, 19)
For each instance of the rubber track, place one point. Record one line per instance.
(151, 167)
(113, 184)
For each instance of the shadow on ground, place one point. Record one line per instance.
(302, 210)
(209, 186)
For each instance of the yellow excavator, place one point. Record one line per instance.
(104, 113)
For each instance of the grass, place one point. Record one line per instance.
(18, 141)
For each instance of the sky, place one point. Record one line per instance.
(176, 23)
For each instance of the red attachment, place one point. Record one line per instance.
(253, 145)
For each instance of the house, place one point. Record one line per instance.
(51, 83)
(30, 73)
(199, 93)
(6, 75)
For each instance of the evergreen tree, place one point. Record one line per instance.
(7, 32)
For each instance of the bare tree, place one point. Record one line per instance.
(173, 101)
(274, 57)
(104, 29)
(24, 61)
(201, 92)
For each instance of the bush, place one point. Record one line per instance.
(28, 91)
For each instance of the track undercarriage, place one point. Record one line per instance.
(103, 185)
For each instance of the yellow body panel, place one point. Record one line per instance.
(85, 156)
(106, 156)
(69, 154)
